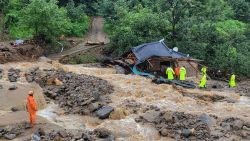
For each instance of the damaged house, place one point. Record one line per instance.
(152, 59)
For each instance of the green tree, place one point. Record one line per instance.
(79, 20)
(44, 20)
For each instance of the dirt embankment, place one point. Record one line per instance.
(19, 53)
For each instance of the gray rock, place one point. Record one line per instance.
(28, 126)
(9, 136)
(119, 69)
(238, 124)
(1, 73)
(186, 133)
(13, 87)
(102, 132)
(13, 74)
(93, 107)
(150, 116)
(78, 135)
(205, 119)
(226, 126)
(63, 134)
(104, 112)
(164, 132)
(35, 137)
(1, 86)
(15, 109)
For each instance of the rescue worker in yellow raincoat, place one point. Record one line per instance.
(204, 70)
(182, 73)
(232, 82)
(203, 81)
(170, 73)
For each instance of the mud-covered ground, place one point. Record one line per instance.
(141, 110)
(27, 52)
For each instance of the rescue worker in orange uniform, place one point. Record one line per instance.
(32, 108)
(177, 72)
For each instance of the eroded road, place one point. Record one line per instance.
(95, 35)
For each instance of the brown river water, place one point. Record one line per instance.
(143, 92)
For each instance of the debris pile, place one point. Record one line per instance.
(68, 135)
(13, 74)
(182, 126)
(76, 94)
(31, 74)
(12, 131)
(24, 52)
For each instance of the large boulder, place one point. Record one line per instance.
(104, 112)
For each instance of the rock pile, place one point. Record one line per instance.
(75, 135)
(183, 126)
(12, 131)
(13, 74)
(76, 94)
(31, 74)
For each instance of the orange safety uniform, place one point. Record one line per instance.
(177, 71)
(32, 109)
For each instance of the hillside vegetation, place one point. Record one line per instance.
(216, 31)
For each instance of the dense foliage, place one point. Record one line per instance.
(216, 31)
(43, 20)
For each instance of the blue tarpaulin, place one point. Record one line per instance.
(145, 51)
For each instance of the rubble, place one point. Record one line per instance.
(74, 93)
(183, 126)
(13, 74)
(10, 132)
(66, 135)
(31, 74)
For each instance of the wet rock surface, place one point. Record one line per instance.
(12, 131)
(74, 93)
(183, 126)
(72, 135)
(13, 74)
(104, 112)
(31, 74)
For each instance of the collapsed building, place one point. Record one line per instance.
(152, 59)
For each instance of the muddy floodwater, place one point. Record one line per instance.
(131, 96)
